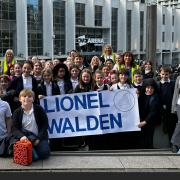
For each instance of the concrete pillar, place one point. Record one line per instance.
(70, 25)
(151, 25)
(48, 46)
(21, 23)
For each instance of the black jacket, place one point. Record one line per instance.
(17, 85)
(42, 89)
(41, 120)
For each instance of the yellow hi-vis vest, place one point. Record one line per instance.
(132, 71)
(5, 66)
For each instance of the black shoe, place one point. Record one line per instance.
(174, 149)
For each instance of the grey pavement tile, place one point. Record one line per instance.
(149, 162)
(82, 162)
(175, 160)
(8, 164)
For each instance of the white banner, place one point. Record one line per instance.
(91, 113)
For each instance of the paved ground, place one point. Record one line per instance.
(101, 161)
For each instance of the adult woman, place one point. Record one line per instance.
(129, 64)
(7, 62)
(108, 53)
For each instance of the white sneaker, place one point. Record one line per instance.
(178, 151)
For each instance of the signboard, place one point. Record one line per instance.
(82, 114)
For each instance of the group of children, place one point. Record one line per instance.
(21, 91)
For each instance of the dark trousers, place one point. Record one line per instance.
(42, 149)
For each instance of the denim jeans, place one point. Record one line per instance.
(42, 149)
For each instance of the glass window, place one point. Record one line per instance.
(164, 20)
(114, 33)
(163, 36)
(8, 36)
(141, 30)
(128, 27)
(98, 15)
(173, 20)
(172, 36)
(59, 26)
(80, 13)
(35, 27)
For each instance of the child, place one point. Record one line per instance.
(62, 76)
(74, 73)
(105, 69)
(17, 70)
(30, 122)
(37, 69)
(47, 87)
(149, 107)
(5, 127)
(85, 85)
(79, 61)
(55, 62)
(138, 81)
(7, 95)
(113, 78)
(119, 62)
(48, 64)
(11, 71)
(98, 79)
(147, 72)
(124, 82)
(122, 139)
(98, 141)
(69, 62)
(109, 63)
(85, 81)
(166, 90)
(26, 80)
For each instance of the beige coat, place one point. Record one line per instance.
(175, 95)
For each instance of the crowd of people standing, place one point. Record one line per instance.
(22, 85)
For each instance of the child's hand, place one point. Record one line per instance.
(36, 142)
(137, 92)
(141, 124)
(40, 96)
(23, 138)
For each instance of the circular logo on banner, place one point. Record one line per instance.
(124, 100)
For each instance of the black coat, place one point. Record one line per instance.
(41, 120)
(42, 89)
(149, 108)
(17, 85)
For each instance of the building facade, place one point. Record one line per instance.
(52, 28)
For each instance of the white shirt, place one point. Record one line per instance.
(27, 82)
(61, 86)
(48, 88)
(121, 86)
(29, 122)
(162, 81)
(74, 83)
(102, 86)
(136, 84)
(5, 112)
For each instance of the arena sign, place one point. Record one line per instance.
(82, 114)
(82, 40)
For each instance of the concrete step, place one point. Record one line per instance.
(136, 160)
